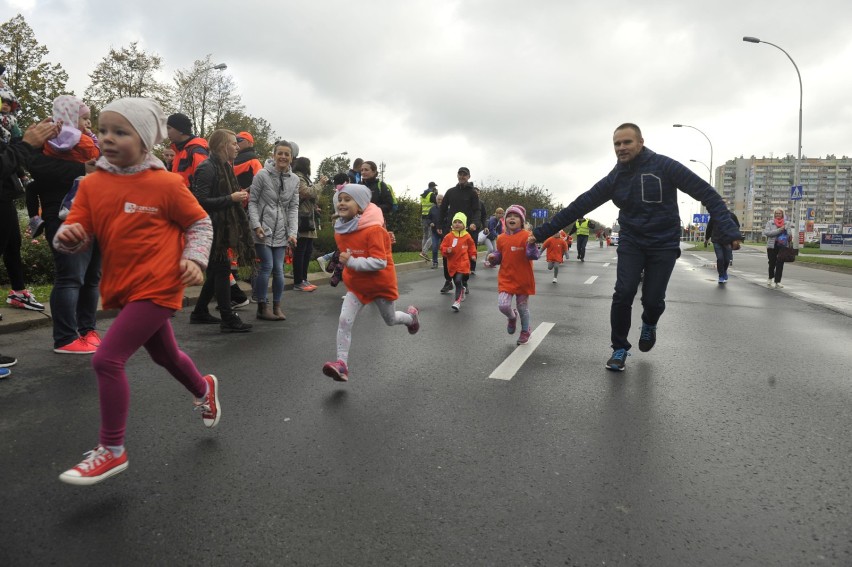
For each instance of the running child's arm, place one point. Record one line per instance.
(532, 251)
(71, 238)
(196, 251)
(495, 258)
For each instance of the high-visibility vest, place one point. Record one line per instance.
(426, 204)
(583, 228)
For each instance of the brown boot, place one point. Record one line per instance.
(276, 311)
(265, 313)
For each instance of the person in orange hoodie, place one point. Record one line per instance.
(514, 255)
(556, 248)
(459, 248)
(369, 273)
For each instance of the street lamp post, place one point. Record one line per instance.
(708, 141)
(798, 166)
(194, 77)
(705, 165)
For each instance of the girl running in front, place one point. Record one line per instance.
(515, 254)
(459, 249)
(143, 218)
(369, 273)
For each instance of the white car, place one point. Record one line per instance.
(613, 239)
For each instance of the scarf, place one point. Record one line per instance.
(779, 222)
(151, 162)
(232, 238)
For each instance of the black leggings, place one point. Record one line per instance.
(10, 244)
(776, 268)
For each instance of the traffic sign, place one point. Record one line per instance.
(539, 213)
(701, 218)
(796, 193)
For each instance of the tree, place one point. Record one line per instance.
(259, 128)
(34, 82)
(332, 165)
(206, 94)
(128, 72)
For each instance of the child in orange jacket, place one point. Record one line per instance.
(515, 254)
(459, 249)
(369, 273)
(556, 247)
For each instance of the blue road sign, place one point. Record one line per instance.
(539, 213)
(796, 193)
(700, 218)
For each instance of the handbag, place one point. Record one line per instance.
(787, 254)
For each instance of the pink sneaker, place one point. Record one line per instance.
(415, 324)
(524, 337)
(77, 346)
(99, 464)
(513, 323)
(93, 338)
(211, 412)
(336, 370)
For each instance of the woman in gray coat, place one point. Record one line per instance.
(773, 231)
(274, 218)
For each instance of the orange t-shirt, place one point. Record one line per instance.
(458, 257)
(84, 151)
(516, 272)
(556, 249)
(369, 242)
(138, 221)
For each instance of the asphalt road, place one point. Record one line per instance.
(727, 444)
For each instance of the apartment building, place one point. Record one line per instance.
(753, 187)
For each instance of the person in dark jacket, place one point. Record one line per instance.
(724, 253)
(190, 150)
(218, 192)
(427, 201)
(382, 192)
(643, 185)
(463, 198)
(246, 164)
(434, 219)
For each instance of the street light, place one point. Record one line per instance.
(702, 163)
(194, 77)
(708, 141)
(797, 168)
(340, 154)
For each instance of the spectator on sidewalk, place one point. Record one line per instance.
(190, 150)
(777, 237)
(307, 227)
(427, 200)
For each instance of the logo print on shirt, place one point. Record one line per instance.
(132, 208)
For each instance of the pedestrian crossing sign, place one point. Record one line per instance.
(796, 193)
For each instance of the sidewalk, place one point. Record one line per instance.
(17, 320)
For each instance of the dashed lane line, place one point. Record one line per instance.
(509, 367)
(591, 280)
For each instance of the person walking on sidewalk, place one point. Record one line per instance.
(515, 253)
(724, 254)
(463, 198)
(643, 185)
(273, 215)
(217, 190)
(458, 248)
(144, 219)
(777, 237)
(369, 272)
(428, 198)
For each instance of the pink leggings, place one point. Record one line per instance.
(141, 323)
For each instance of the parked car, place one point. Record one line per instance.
(613, 239)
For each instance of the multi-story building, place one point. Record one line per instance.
(753, 187)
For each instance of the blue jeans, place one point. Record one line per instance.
(271, 262)
(724, 257)
(436, 244)
(426, 241)
(75, 295)
(632, 260)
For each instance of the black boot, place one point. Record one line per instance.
(234, 325)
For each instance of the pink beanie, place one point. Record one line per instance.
(518, 210)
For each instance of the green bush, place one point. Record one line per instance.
(35, 255)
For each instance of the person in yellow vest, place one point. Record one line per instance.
(427, 199)
(582, 227)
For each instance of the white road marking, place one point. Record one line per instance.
(606, 264)
(509, 367)
(590, 280)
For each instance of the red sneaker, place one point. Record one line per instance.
(210, 409)
(336, 370)
(513, 323)
(99, 464)
(77, 346)
(524, 337)
(93, 338)
(415, 323)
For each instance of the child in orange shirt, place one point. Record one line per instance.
(556, 248)
(515, 254)
(369, 273)
(459, 249)
(144, 218)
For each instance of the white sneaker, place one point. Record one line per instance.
(456, 305)
(554, 280)
(778, 285)
(323, 263)
(769, 282)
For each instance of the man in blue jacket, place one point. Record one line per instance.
(643, 185)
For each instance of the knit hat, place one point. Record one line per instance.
(460, 216)
(145, 115)
(359, 193)
(181, 123)
(518, 210)
(245, 137)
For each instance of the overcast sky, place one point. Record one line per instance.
(525, 92)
